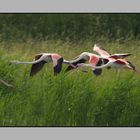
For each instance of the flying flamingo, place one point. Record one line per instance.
(41, 59)
(93, 59)
(104, 60)
(112, 61)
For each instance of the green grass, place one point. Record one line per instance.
(69, 99)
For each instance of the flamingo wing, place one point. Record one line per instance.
(100, 51)
(131, 65)
(120, 61)
(38, 66)
(96, 62)
(120, 56)
(57, 65)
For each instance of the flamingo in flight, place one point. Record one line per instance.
(111, 61)
(41, 59)
(93, 59)
(104, 59)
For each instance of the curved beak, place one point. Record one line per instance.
(131, 66)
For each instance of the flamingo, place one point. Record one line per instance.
(41, 59)
(104, 59)
(111, 61)
(93, 59)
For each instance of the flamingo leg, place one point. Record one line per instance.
(5, 83)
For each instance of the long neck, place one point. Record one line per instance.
(33, 62)
(102, 66)
(68, 63)
(96, 67)
(74, 61)
(83, 56)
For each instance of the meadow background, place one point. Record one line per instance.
(73, 98)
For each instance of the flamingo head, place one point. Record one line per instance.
(125, 64)
(131, 66)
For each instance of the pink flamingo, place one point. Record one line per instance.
(41, 59)
(104, 59)
(111, 61)
(93, 59)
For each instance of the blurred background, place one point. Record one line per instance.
(69, 26)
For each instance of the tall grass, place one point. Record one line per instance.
(69, 99)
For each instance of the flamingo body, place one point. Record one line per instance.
(41, 59)
(107, 60)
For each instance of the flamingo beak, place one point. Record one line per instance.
(131, 67)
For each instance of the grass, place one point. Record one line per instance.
(69, 99)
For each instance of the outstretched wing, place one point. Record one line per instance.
(120, 56)
(57, 65)
(100, 51)
(38, 66)
(104, 53)
(99, 62)
(131, 65)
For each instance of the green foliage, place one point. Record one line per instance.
(69, 26)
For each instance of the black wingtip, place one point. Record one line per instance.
(31, 74)
(58, 67)
(97, 72)
(132, 66)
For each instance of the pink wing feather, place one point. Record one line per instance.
(55, 58)
(102, 52)
(93, 60)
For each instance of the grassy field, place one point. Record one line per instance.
(69, 99)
